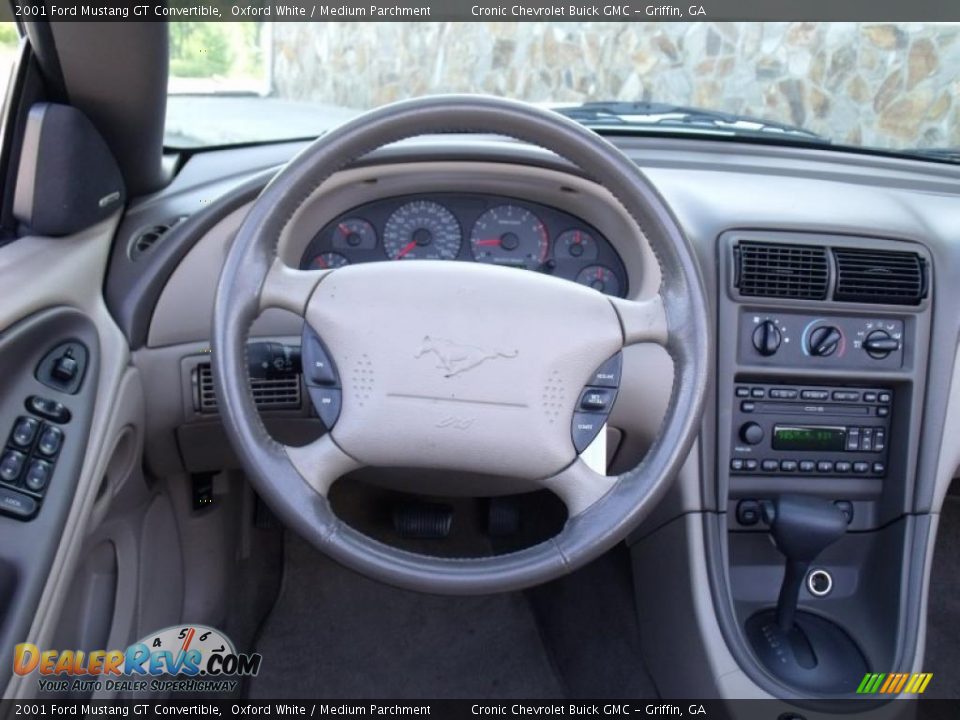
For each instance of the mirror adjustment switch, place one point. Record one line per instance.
(16, 504)
(24, 431)
(50, 440)
(11, 465)
(38, 475)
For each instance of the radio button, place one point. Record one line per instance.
(879, 468)
(869, 397)
(807, 466)
(861, 467)
(783, 394)
(743, 392)
(788, 465)
(814, 395)
(747, 406)
(846, 395)
(736, 464)
(842, 466)
(758, 393)
(879, 439)
(770, 465)
(884, 397)
(866, 441)
(824, 466)
(750, 464)
(883, 411)
(853, 438)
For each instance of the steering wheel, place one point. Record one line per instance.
(462, 366)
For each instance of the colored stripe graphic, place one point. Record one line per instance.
(894, 683)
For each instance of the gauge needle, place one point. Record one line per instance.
(321, 263)
(343, 228)
(406, 248)
(491, 241)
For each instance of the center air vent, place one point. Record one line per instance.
(279, 394)
(781, 270)
(879, 276)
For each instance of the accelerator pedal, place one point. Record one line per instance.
(423, 520)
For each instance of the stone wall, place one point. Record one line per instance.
(874, 84)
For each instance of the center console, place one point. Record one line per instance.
(821, 374)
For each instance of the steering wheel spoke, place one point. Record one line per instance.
(579, 486)
(642, 320)
(288, 288)
(321, 462)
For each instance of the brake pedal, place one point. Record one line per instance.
(423, 520)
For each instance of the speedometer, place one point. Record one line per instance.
(510, 235)
(422, 230)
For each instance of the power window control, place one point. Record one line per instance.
(38, 475)
(50, 441)
(24, 431)
(11, 464)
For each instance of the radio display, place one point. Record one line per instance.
(809, 437)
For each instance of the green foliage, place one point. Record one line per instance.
(199, 49)
(8, 34)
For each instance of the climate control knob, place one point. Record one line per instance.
(879, 344)
(751, 433)
(767, 338)
(823, 341)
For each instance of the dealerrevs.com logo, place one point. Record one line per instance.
(181, 658)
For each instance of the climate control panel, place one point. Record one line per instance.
(800, 339)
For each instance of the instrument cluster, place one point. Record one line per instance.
(471, 228)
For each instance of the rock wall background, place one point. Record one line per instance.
(874, 84)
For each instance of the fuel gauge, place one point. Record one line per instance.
(601, 278)
(328, 261)
(575, 245)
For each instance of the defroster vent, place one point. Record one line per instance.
(879, 276)
(279, 394)
(781, 270)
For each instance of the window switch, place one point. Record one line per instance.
(10, 465)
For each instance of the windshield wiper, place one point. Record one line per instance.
(664, 116)
(946, 154)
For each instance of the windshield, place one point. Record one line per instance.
(882, 86)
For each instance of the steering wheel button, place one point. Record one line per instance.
(327, 403)
(596, 399)
(316, 365)
(585, 429)
(38, 475)
(608, 374)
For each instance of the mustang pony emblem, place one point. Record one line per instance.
(455, 358)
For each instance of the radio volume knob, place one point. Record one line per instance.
(766, 338)
(751, 433)
(823, 341)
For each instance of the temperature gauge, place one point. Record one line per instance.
(328, 261)
(601, 278)
(576, 245)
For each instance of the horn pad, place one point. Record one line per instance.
(463, 366)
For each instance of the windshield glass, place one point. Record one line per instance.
(874, 85)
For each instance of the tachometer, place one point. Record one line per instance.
(510, 235)
(354, 234)
(601, 278)
(422, 230)
(328, 260)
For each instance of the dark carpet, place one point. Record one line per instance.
(943, 611)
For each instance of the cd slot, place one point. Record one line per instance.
(781, 408)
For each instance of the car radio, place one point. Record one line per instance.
(810, 430)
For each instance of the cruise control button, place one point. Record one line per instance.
(10, 465)
(17, 504)
(316, 365)
(585, 429)
(38, 475)
(608, 374)
(596, 399)
(24, 431)
(326, 401)
(50, 441)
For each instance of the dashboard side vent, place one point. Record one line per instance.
(879, 276)
(782, 271)
(279, 394)
(147, 238)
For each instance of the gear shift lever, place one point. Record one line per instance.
(806, 650)
(802, 527)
